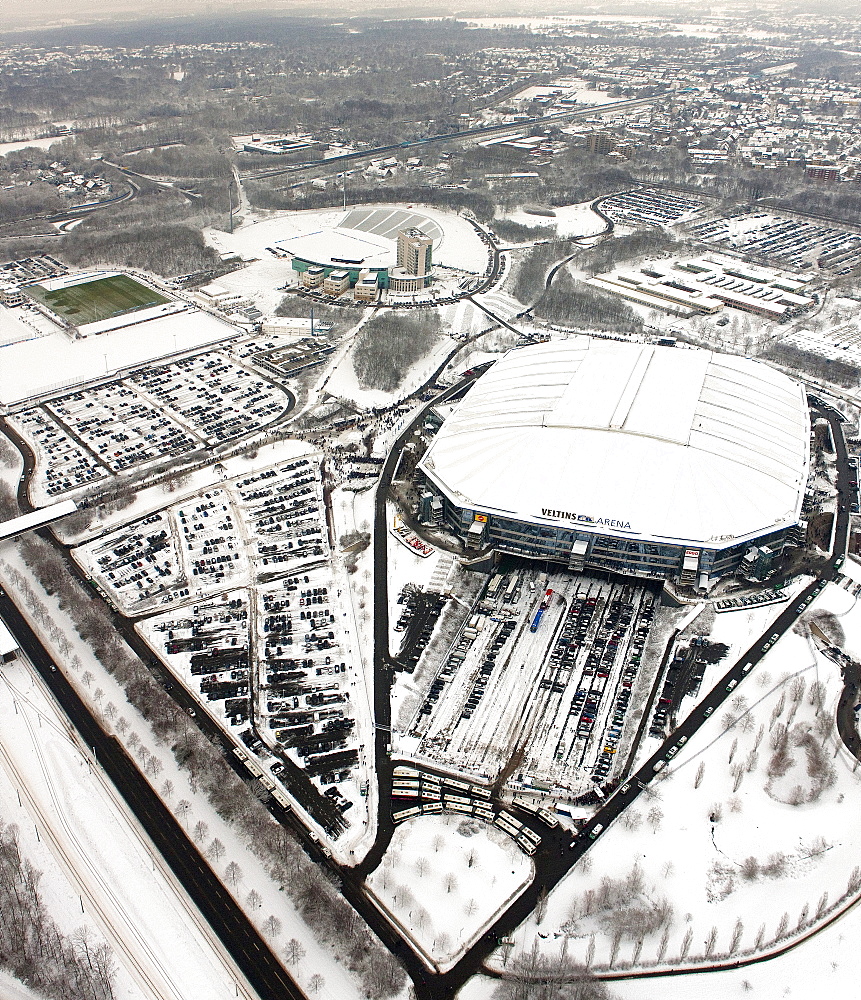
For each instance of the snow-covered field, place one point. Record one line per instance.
(718, 860)
(568, 221)
(444, 879)
(51, 362)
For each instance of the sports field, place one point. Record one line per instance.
(102, 298)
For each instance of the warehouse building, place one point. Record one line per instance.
(638, 459)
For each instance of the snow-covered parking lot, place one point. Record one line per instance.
(747, 841)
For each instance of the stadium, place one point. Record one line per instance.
(363, 240)
(94, 302)
(641, 460)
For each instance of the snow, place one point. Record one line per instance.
(14, 989)
(689, 842)
(568, 220)
(32, 367)
(339, 982)
(164, 947)
(444, 879)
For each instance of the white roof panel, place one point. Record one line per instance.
(682, 445)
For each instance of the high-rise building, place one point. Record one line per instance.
(414, 252)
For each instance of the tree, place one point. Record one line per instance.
(654, 817)
(701, 770)
(233, 874)
(750, 869)
(167, 789)
(183, 808)
(710, 942)
(316, 983)
(215, 851)
(737, 932)
(201, 830)
(272, 926)
(293, 952)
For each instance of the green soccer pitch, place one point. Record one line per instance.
(102, 298)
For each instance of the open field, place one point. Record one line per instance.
(91, 301)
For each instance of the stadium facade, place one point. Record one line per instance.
(642, 460)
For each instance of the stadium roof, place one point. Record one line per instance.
(659, 443)
(341, 247)
(364, 237)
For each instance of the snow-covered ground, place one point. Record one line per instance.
(718, 860)
(52, 362)
(568, 221)
(164, 948)
(188, 801)
(444, 879)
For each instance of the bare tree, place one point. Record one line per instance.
(215, 851)
(254, 900)
(233, 874)
(710, 943)
(201, 831)
(167, 789)
(272, 926)
(183, 808)
(316, 983)
(737, 932)
(654, 817)
(701, 770)
(293, 952)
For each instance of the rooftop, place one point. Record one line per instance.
(670, 444)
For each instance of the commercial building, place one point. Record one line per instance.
(642, 460)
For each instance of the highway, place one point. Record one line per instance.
(583, 111)
(249, 950)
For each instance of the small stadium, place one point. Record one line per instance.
(363, 237)
(93, 297)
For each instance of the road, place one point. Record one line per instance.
(249, 950)
(584, 111)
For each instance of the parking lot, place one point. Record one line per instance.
(541, 673)
(258, 526)
(30, 269)
(120, 427)
(650, 207)
(151, 414)
(62, 463)
(784, 241)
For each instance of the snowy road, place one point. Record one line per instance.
(152, 927)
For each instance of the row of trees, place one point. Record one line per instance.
(263, 195)
(32, 948)
(331, 918)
